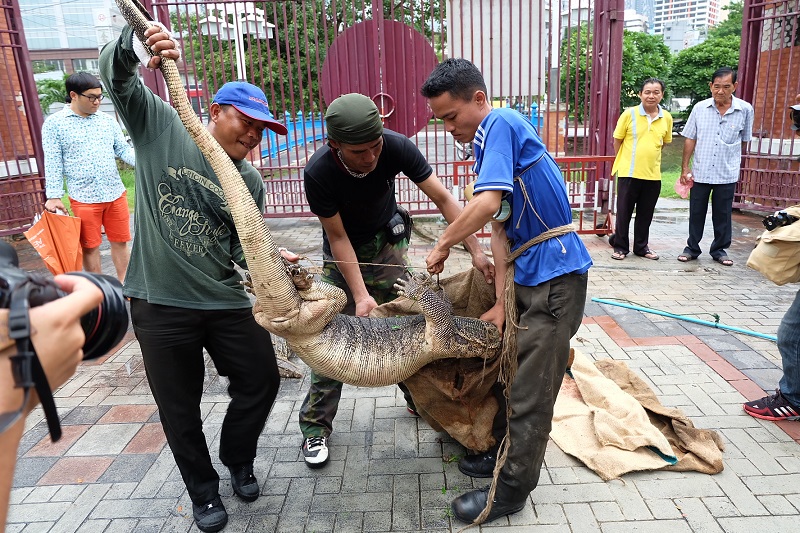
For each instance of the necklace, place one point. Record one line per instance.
(354, 174)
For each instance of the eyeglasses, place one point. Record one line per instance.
(92, 97)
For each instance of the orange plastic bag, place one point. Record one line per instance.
(57, 239)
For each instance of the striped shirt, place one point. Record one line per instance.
(718, 152)
(83, 150)
(642, 137)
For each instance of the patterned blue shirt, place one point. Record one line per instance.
(718, 152)
(83, 150)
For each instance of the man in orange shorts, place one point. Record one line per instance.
(80, 146)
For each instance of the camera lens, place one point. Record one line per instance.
(106, 324)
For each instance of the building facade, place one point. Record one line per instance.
(66, 35)
(700, 13)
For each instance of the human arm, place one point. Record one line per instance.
(347, 263)
(53, 166)
(617, 145)
(474, 216)
(688, 150)
(58, 338)
(668, 135)
(689, 134)
(496, 314)
(144, 114)
(122, 149)
(439, 195)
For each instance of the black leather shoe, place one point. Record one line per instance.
(468, 506)
(210, 516)
(244, 483)
(478, 465)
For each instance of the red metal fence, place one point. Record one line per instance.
(536, 57)
(307, 52)
(769, 69)
(20, 140)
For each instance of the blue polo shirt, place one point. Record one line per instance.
(507, 146)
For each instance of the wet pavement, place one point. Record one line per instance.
(389, 471)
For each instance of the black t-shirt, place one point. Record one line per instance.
(365, 204)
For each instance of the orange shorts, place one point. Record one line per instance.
(113, 216)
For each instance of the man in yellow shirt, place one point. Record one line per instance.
(640, 134)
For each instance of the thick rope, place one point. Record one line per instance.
(508, 356)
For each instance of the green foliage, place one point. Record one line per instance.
(731, 25)
(126, 172)
(51, 92)
(692, 68)
(288, 66)
(643, 56)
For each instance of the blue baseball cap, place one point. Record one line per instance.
(249, 100)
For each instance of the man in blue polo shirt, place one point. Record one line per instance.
(521, 190)
(715, 133)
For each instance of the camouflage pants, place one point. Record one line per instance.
(322, 401)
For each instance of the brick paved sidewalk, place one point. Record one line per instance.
(112, 471)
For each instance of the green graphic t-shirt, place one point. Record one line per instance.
(185, 243)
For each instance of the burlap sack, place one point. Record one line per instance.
(777, 252)
(455, 395)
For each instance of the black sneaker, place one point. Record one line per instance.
(774, 407)
(244, 483)
(315, 451)
(210, 516)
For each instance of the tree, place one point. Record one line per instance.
(288, 66)
(50, 92)
(693, 67)
(643, 56)
(731, 25)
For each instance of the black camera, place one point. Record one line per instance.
(104, 326)
(795, 113)
(780, 218)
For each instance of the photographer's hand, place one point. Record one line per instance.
(58, 338)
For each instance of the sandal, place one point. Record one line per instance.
(618, 255)
(650, 254)
(683, 258)
(724, 260)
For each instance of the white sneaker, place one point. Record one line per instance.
(315, 451)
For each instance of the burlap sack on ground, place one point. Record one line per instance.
(696, 449)
(454, 395)
(608, 417)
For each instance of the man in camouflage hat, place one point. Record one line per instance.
(350, 186)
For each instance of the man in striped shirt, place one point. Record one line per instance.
(715, 133)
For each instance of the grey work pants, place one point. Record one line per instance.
(549, 316)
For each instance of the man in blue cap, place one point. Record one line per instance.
(185, 293)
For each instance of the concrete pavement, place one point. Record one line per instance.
(112, 472)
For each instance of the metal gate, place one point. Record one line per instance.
(527, 51)
(769, 69)
(20, 125)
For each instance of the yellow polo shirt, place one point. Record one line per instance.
(642, 139)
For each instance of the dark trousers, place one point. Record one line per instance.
(172, 341)
(642, 195)
(322, 401)
(550, 315)
(789, 347)
(721, 207)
